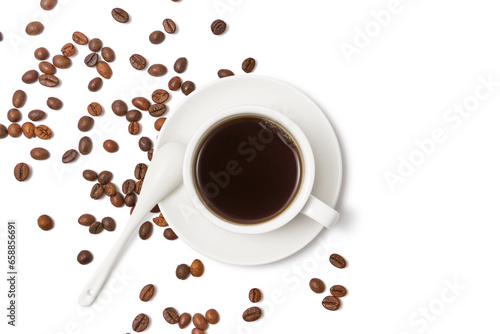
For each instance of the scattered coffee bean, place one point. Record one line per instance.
(157, 110)
(80, 38)
(47, 68)
(85, 145)
(218, 27)
(169, 234)
(248, 65)
(14, 115)
(95, 45)
(19, 98)
(212, 316)
(91, 60)
(128, 186)
(34, 28)
(338, 291)
(45, 222)
(108, 54)
(86, 219)
(338, 261)
(199, 321)
(252, 314)
(86, 123)
(197, 268)
(30, 77)
(188, 87)
(159, 123)
(133, 115)
(138, 187)
(140, 171)
(169, 26)
(119, 108)
(14, 130)
(110, 189)
(254, 295)
(331, 303)
(41, 54)
(160, 96)
(69, 156)
(89, 175)
(138, 62)
(184, 320)
(197, 331)
(141, 322)
(84, 257)
(134, 128)
(48, 4)
(160, 221)
(68, 50)
(170, 315)
(174, 84)
(39, 153)
(105, 177)
(96, 228)
(147, 293)
(108, 223)
(94, 109)
(3, 131)
(54, 103)
(141, 103)
(48, 80)
(36, 115)
(110, 146)
(28, 129)
(117, 200)
(95, 84)
(180, 65)
(317, 285)
(21, 171)
(225, 73)
(146, 230)
(104, 70)
(61, 61)
(97, 191)
(157, 70)
(120, 15)
(157, 37)
(130, 200)
(150, 154)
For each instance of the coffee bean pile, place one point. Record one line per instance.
(332, 301)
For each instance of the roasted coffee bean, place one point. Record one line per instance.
(134, 128)
(133, 115)
(141, 103)
(140, 171)
(69, 156)
(145, 230)
(119, 108)
(110, 146)
(248, 65)
(225, 73)
(140, 323)
(85, 145)
(156, 37)
(34, 28)
(108, 54)
(128, 186)
(14, 130)
(104, 70)
(169, 26)
(160, 221)
(159, 123)
(157, 110)
(170, 315)
(91, 59)
(317, 285)
(86, 123)
(47, 68)
(338, 291)
(157, 70)
(108, 223)
(130, 200)
(188, 87)
(61, 61)
(150, 154)
(68, 50)
(14, 115)
(41, 54)
(197, 268)
(80, 38)
(21, 171)
(45, 223)
(169, 234)
(147, 293)
(3, 131)
(254, 295)
(145, 144)
(94, 109)
(160, 96)
(86, 219)
(36, 115)
(43, 132)
(138, 187)
(28, 129)
(105, 177)
(54, 103)
(180, 65)
(138, 62)
(96, 228)
(19, 98)
(48, 4)
(89, 175)
(30, 77)
(84, 257)
(97, 191)
(174, 84)
(48, 80)
(110, 189)
(252, 314)
(39, 153)
(199, 321)
(120, 15)
(331, 303)
(95, 84)
(117, 200)
(184, 320)
(212, 316)
(338, 261)
(197, 331)
(95, 44)
(218, 27)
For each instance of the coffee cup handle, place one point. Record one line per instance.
(320, 212)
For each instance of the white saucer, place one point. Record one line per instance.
(235, 248)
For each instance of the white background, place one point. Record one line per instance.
(405, 246)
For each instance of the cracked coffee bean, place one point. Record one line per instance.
(225, 73)
(169, 234)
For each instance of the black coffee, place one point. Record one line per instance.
(248, 170)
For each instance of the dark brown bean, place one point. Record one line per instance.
(134, 128)
(184, 320)
(117, 200)
(97, 191)
(84, 257)
(182, 271)
(170, 315)
(94, 109)
(199, 321)
(338, 261)
(80, 38)
(45, 223)
(14, 115)
(147, 293)
(14, 130)
(110, 189)
(95, 45)
(252, 314)
(145, 144)
(140, 323)
(338, 291)
(41, 54)
(110, 146)
(169, 26)
(86, 123)
(146, 230)
(119, 107)
(138, 187)
(104, 70)
(34, 28)
(180, 65)
(157, 37)
(3, 131)
(36, 115)
(105, 177)
(48, 80)
(248, 65)
(317, 285)
(54, 103)
(96, 228)
(188, 87)
(138, 62)
(159, 123)
(47, 68)
(28, 129)
(128, 186)
(141, 103)
(130, 200)
(69, 156)
(254, 295)
(197, 331)
(150, 154)
(218, 27)
(86, 219)
(160, 96)
(157, 110)
(108, 54)
(30, 77)
(43, 132)
(174, 84)
(108, 223)
(197, 268)
(157, 70)
(212, 316)
(19, 98)
(169, 234)
(85, 145)
(225, 73)
(21, 172)
(140, 171)
(39, 153)
(68, 50)
(48, 4)
(91, 59)
(331, 303)
(120, 15)
(61, 61)
(95, 84)
(89, 175)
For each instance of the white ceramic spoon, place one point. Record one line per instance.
(163, 176)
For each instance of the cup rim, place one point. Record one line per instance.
(307, 179)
